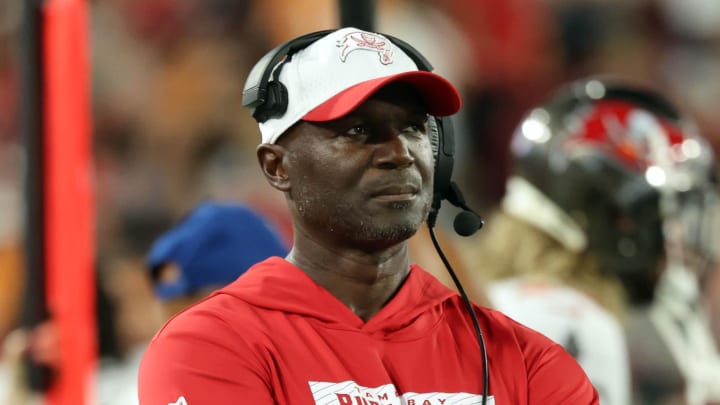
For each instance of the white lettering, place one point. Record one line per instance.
(351, 393)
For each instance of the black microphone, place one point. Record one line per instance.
(467, 223)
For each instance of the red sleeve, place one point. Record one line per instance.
(555, 377)
(196, 357)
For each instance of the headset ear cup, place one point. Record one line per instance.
(275, 104)
(443, 152)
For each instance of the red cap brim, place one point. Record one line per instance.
(439, 95)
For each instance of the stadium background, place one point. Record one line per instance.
(168, 128)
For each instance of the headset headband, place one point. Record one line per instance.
(256, 88)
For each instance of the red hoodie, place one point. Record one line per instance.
(276, 337)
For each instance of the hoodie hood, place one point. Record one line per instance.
(276, 284)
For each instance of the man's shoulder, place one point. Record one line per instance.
(535, 359)
(212, 317)
(509, 335)
(499, 321)
(234, 303)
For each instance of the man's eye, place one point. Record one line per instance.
(415, 128)
(358, 130)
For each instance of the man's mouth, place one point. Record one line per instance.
(396, 193)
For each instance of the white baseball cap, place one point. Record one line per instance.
(336, 73)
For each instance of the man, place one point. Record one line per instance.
(345, 318)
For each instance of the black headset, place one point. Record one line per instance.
(269, 98)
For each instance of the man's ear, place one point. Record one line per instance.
(272, 163)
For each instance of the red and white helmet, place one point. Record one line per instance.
(609, 153)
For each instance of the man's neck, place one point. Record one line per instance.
(363, 281)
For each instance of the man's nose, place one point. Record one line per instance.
(393, 152)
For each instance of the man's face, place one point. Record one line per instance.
(366, 177)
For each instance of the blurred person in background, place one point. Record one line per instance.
(586, 203)
(209, 249)
(212, 246)
(678, 323)
(127, 312)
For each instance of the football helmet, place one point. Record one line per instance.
(606, 152)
